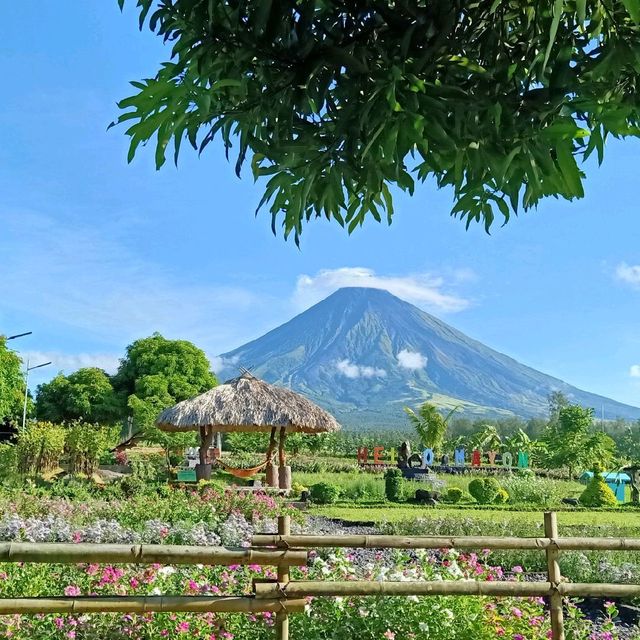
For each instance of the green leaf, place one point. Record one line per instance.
(581, 10)
(570, 171)
(558, 8)
(633, 9)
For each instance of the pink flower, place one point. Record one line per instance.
(133, 583)
(518, 636)
(59, 622)
(516, 612)
(72, 590)
(71, 634)
(517, 569)
(92, 569)
(389, 635)
(499, 631)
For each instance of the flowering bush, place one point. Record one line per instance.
(389, 618)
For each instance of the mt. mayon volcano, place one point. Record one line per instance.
(363, 354)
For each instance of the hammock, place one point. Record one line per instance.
(251, 471)
(243, 473)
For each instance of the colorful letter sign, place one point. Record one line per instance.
(427, 457)
(376, 455)
(476, 458)
(507, 460)
(363, 455)
(458, 456)
(492, 456)
(523, 459)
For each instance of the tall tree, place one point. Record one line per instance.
(429, 424)
(86, 394)
(572, 444)
(556, 401)
(156, 373)
(11, 384)
(339, 103)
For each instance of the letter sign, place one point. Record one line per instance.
(458, 456)
(476, 458)
(427, 457)
(376, 455)
(523, 459)
(507, 460)
(492, 457)
(393, 456)
(363, 455)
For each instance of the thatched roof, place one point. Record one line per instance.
(247, 404)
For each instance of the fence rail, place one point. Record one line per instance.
(284, 596)
(554, 589)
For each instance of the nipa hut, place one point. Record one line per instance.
(248, 404)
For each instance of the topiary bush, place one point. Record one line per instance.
(324, 493)
(484, 490)
(393, 485)
(598, 493)
(453, 495)
(502, 497)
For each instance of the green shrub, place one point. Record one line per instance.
(393, 485)
(86, 443)
(40, 447)
(502, 497)
(484, 490)
(324, 493)
(297, 488)
(453, 495)
(362, 487)
(528, 489)
(598, 493)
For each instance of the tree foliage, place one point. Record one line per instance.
(11, 384)
(86, 394)
(155, 374)
(338, 103)
(572, 443)
(429, 424)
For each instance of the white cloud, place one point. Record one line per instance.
(630, 274)
(218, 363)
(68, 363)
(634, 371)
(411, 359)
(352, 370)
(425, 290)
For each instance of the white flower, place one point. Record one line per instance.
(413, 598)
(166, 571)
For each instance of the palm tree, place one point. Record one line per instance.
(429, 424)
(488, 439)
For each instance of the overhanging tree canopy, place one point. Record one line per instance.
(337, 102)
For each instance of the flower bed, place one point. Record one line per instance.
(391, 618)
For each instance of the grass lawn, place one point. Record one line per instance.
(394, 513)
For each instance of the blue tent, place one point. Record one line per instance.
(616, 481)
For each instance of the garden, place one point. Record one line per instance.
(75, 473)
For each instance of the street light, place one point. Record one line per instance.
(18, 335)
(26, 388)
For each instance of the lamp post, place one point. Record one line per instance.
(26, 389)
(19, 335)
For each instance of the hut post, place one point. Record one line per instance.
(271, 470)
(284, 473)
(282, 617)
(203, 470)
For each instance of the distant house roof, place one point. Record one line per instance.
(609, 476)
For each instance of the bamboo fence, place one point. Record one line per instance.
(554, 589)
(284, 596)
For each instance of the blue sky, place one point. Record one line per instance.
(95, 253)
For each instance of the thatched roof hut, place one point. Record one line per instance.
(247, 404)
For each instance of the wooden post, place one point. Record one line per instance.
(554, 577)
(282, 617)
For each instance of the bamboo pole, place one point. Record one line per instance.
(441, 542)
(146, 554)
(143, 604)
(554, 577)
(282, 617)
(304, 588)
